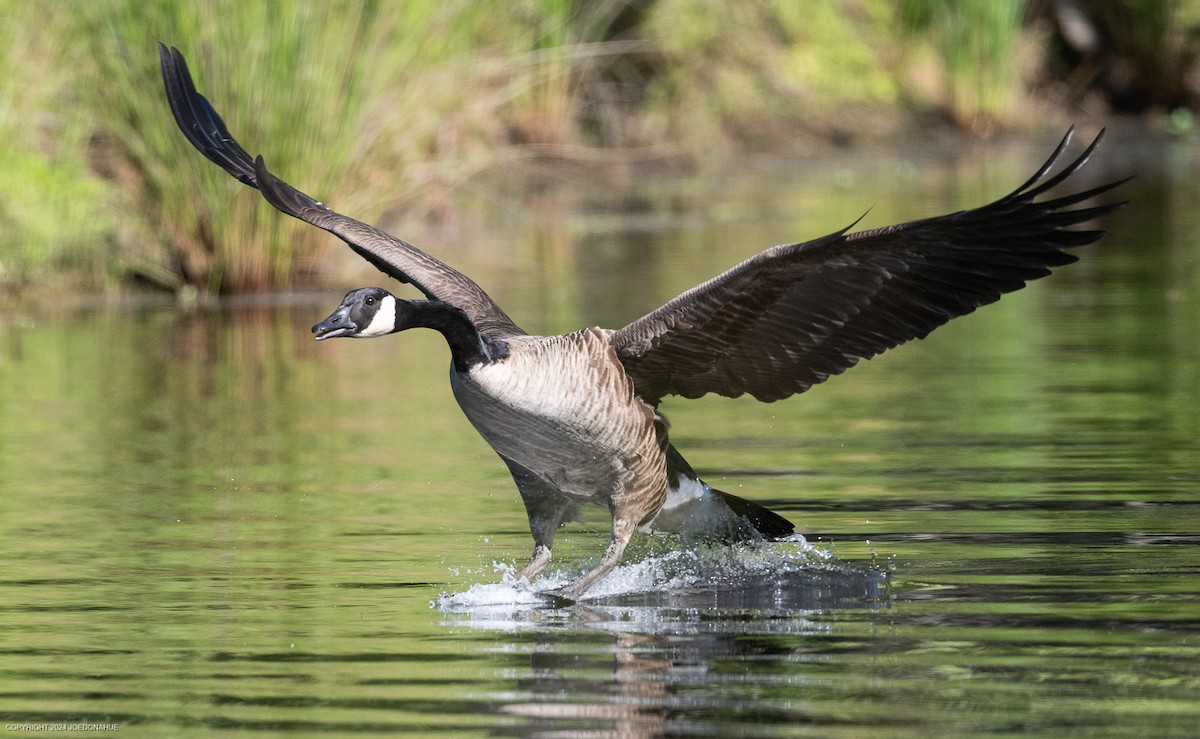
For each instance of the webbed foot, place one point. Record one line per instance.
(559, 597)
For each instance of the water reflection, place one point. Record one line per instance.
(659, 670)
(644, 693)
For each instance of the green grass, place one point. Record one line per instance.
(380, 106)
(51, 205)
(763, 71)
(977, 42)
(377, 103)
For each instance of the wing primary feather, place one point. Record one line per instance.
(1066, 171)
(1051, 161)
(198, 120)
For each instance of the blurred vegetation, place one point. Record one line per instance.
(389, 107)
(964, 33)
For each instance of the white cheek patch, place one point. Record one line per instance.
(384, 321)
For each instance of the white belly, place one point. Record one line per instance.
(563, 408)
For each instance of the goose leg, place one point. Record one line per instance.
(623, 529)
(537, 563)
(546, 508)
(544, 520)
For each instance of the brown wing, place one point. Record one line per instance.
(792, 316)
(395, 258)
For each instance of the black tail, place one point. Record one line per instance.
(767, 522)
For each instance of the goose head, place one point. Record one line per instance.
(372, 311)
(363, 314)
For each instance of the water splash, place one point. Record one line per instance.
(657, 582)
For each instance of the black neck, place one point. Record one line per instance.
(468, 347)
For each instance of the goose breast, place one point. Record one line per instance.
(564, 408)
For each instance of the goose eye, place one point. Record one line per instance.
(370, 301)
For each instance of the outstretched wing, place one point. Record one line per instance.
(795, 314)
(395, 258)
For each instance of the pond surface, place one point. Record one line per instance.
(210, 524)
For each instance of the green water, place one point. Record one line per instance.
(212, 525)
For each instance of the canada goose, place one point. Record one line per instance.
(575, 416)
